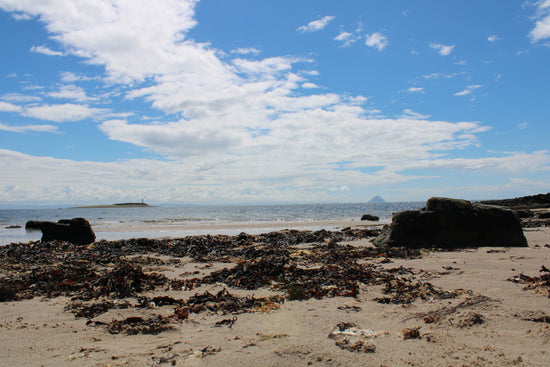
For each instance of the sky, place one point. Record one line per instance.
(246, 101)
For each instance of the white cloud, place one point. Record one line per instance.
(18, 97)
(493, 38)
(347, 39)
(240, 122)
(195, 181)
(132, 39)
(416, 90)
(27, 128)
(46, 51)
(8, 107)
(70, 77)
(32, 87)
(21, 16)
(542, 24)
(62, 112)
(310, 86)
(410, 114)
(444, 50)
(469, 90)
(512, 163)
(246, 51)
(343, 36)
(70, 92)
(316, 25)
(376, 40)
(523, 126)
(269, 66)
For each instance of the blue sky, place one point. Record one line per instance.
(207, 102)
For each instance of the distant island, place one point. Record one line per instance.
(377, 199)
(118, 205)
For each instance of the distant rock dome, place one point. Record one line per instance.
(377, 199)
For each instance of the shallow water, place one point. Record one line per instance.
(157, 221)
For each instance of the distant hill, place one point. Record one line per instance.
(377, 199)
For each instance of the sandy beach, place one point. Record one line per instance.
(425, 308)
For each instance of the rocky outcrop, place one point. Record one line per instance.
(370, 217)
(524, 202)
(76, 230)
(453, 223)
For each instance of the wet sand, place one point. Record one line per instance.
(180, 229)
(488, 321)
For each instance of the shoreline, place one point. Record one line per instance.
(156, 230)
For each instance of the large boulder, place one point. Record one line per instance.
(370, 217)
(453, 223)
(76, 230)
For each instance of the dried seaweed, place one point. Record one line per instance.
(115, 274)
(404, 291)
(437, 315)
(540, 284)
(225, 302)
(136, 325)
(90, 310)
(411, 333)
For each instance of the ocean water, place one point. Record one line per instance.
(141, 221)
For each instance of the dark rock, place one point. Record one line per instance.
(453, 223)
(33, 224)
(76, 230)
(524, 213)
(524, 202)
(372, 218)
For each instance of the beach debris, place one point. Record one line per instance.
(348, 309)
(206, 351)
(111, 275)
(90, 310)
(8, 292)
(405, 291)
(228, 322)
(411, 333)
(535, 316)
(469, 320)
(540, 284)
(350, 337)
(358, 346)
(136, 325)
(349, 329)
(439, 314)
(159, 301)
(264, 337)
(224, 302)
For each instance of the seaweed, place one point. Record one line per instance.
(538, 284)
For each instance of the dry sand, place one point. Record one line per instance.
(39, 332)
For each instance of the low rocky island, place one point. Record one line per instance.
(118, 205)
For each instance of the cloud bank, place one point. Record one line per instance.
(232, 128)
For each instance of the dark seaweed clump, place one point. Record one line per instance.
(116, 274)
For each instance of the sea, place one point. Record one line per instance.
(179, 221)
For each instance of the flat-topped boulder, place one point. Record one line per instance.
(76, 230)
(453, 223)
